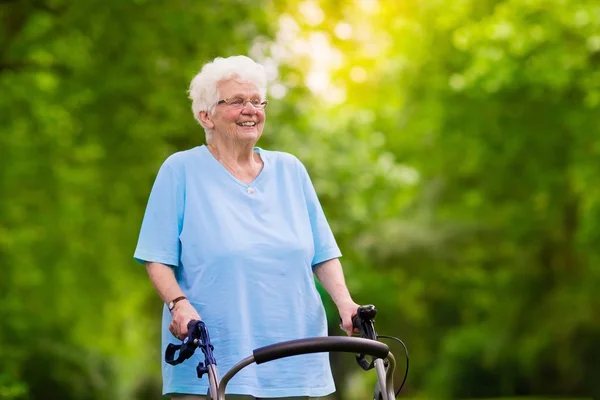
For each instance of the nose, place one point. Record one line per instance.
(249, 108)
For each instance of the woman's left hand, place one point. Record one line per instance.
(347, 311)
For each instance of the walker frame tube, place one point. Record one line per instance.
(318, 345)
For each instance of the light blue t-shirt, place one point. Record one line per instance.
(243, 255)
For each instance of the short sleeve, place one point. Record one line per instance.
(326, 247)
(159, 235)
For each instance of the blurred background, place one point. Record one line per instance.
(455, 146)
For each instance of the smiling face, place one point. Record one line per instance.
(231, 123)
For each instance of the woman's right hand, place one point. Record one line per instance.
(181, 315)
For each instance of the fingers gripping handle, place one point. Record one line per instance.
(363, 321)
(186, 348)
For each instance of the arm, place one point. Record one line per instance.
(331, 276)
(163, 279)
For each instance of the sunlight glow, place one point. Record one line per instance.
(457, 82)
(312, 13)
(323, 59)
(317, 80)
(335, 95)
(369, 6)
(314, 52)
(405, 174)
(271, 68)
(322, 51)
(302, 47)
(343, 30)
(358, 74)
(288, 28)
(277, 91)
(593, 43)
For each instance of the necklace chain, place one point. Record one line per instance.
(232, 170)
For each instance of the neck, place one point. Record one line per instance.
(242, 162)
(233, 154)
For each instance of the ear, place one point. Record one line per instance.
(206, 119)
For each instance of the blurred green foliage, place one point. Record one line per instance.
(454, 145)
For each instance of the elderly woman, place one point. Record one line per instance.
(232, 235)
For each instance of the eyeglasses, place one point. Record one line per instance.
(239, 102)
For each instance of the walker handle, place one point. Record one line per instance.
(320, 345)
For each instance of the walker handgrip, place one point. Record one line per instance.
(356, 322)
(367, 313)
(320, 345)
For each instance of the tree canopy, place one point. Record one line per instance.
(453, 144)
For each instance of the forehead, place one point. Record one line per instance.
(232, 87)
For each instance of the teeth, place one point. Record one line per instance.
(249, 123)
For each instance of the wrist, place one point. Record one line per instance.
(171, 305)
(345, 302)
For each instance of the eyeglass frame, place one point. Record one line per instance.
(261, 106)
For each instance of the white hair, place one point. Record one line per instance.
(204, 92)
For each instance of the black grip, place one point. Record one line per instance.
(363, 314)
(170, 353)
(367, 313)
(192, 324)
(320, 345)
(356, 322)
(186, 348)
